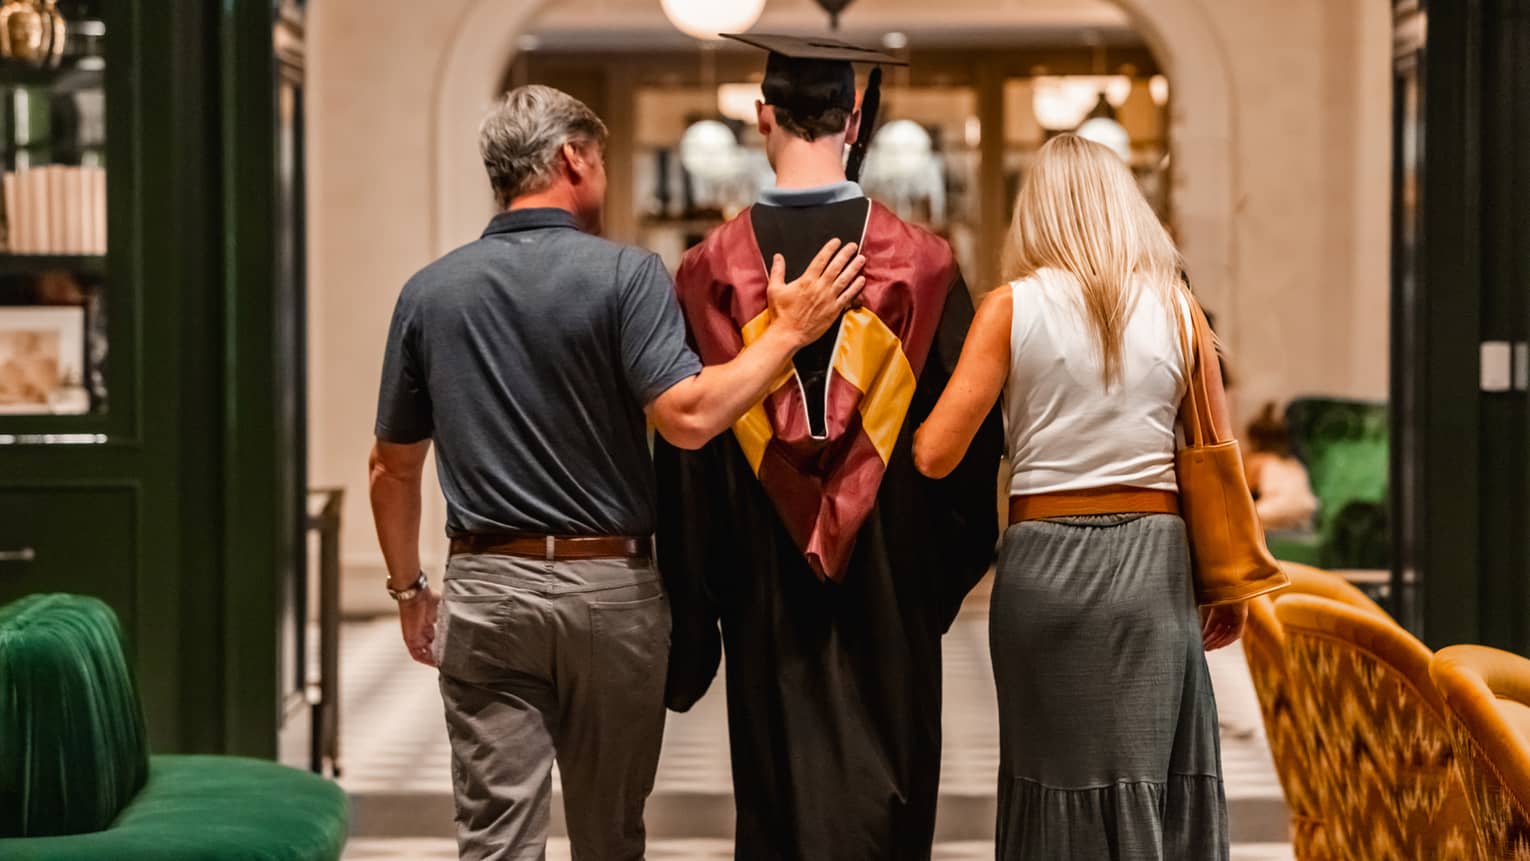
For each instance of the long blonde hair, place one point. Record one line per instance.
(1080, 211)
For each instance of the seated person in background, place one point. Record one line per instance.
(1282, 494)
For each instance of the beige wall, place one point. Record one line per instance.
(1281, 139)
(1308, 310)
(372, 81)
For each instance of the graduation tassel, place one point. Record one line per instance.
(869, 107)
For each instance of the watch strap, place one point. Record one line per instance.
(411, 592)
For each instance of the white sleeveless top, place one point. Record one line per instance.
(1065, 431)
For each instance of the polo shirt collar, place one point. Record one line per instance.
(517, 220)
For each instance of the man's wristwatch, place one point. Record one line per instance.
(421, 584)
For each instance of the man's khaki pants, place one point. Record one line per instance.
(543, 660)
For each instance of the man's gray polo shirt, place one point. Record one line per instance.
(528, 357)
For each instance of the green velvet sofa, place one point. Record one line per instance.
(1344, 445)
(76, 778)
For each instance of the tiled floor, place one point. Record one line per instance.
(395, 758)
(438, 849)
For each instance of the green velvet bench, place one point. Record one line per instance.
(77, 781)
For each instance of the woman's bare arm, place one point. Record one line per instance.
(941, 442)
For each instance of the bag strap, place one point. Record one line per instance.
(1196, 408)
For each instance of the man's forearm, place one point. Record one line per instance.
(732, 388)
(710, 402)
(396, 513)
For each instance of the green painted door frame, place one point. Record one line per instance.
(1461, 266)
(263, 428)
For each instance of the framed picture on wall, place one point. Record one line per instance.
(42, 361)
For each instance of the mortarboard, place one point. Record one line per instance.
(812, 74)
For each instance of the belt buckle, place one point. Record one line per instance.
(552, 548)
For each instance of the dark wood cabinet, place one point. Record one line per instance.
(70, 539)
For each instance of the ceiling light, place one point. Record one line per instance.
(895, 41)
(705, 19)
(1118, 89)
(709, 151)
(1061, 103)
(1104, 130)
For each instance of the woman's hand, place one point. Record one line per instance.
(1222, 625)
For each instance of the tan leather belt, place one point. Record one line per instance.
(552, 547)
(1083, 503)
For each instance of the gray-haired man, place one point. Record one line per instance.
(530, 357)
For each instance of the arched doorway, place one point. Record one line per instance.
(1181, 36)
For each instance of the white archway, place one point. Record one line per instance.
(466, 86)
(1180, 32)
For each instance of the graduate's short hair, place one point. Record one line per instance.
(822, 124)
(521, 138)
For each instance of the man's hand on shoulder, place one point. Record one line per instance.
(807, 307)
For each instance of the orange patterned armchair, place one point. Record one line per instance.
(1487, 699)
(1375, 736)
(1264, 647)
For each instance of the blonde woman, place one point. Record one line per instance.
(1108, 727)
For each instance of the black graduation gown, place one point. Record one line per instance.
(834, 689)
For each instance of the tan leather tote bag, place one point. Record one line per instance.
(1227, 547)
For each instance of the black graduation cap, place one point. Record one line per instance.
(808, 75)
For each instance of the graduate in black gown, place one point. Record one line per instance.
(805, 544)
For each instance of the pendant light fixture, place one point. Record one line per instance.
(705, 19)
(834, 8)
(1101, 126)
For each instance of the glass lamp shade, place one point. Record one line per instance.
(1118, 88)
(1062, 102)
(736, 102)
(704, 19)
(1104, 130)
(710, 152)
(901, 150)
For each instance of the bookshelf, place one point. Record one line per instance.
(60, 359)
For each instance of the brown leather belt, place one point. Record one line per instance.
(1083, 503)
(552, 547)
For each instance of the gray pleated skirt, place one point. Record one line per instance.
(1108, 727)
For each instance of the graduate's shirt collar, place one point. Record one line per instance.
(837, 192)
